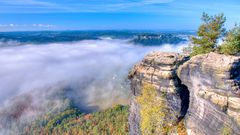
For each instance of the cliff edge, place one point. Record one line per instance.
(213, 81)
(197, 96)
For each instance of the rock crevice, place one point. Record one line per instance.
(213, 82)
(204, 88)
(159, 70)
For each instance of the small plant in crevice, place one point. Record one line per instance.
(226, 130)
(181, 129)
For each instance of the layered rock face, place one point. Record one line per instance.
(213, 81)
(159, 70)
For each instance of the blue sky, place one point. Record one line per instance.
(18, 15)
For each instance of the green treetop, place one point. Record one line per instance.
(208, 34)
(231, 45)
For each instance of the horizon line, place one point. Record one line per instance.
(150, 30)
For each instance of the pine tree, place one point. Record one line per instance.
(231, 45)
(208, 34)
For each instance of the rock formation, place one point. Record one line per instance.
(212, 80)
(158, 69)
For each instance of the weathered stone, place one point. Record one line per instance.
(213, 82)
(215, 98)
(234, 102)
(159, 70)
(219, 100)
(235, 115)
(134, 118)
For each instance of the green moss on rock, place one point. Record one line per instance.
(156, 117)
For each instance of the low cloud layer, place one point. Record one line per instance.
(93, 73)
(29, 67)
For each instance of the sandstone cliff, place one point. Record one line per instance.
(212, 81)
(159, 70)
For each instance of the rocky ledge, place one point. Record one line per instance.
(213, 80)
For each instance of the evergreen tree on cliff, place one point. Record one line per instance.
(231, 45)
(208, 34)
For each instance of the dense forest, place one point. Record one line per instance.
(73, 122)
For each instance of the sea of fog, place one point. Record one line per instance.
(91, 74)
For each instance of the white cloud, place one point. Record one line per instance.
(7, 25)
(31, 6)
(26, 2)
(94, 69)
(157, 1)
(75, 6)
(117, 5)
(27, 25)
(43, 25)
(92, 73)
